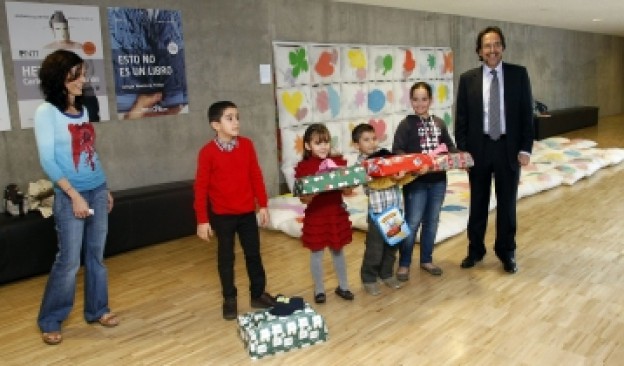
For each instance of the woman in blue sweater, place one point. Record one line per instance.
(66, 145)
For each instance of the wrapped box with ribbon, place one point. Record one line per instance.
(459, 160)
(390, 165)
(384, 166)
(336, 178)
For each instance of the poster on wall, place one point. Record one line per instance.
(5, 121)
(36, 30)
(148, 62)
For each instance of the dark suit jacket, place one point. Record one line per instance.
(469, 135)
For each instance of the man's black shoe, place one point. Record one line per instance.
(230, 311)
(470, 262)
(510, 265)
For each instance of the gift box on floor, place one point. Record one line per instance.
(459, 160)
(390, 165)
(266, 334)
(338, 178)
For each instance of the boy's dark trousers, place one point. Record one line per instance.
(246, 226)
(379, 257)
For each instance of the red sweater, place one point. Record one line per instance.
(230, 182)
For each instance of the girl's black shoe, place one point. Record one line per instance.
(319, 298)
(345, 294)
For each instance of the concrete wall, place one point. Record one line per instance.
(226, 40)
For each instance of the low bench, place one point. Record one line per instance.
(558, 121)
(141, 216)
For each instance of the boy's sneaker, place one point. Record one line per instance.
(372, 288)
(230, 311)
(263, 301)
(392, 282)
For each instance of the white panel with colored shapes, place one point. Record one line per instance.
(354, 63)
(292, 66)
(405, 63)
(326, 102)
(427, 61)
(294, 106)
(380, 98)
(292, 145)
(381, 63)
(354, 100)
(324, 64)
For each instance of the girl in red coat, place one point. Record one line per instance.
(326, 222)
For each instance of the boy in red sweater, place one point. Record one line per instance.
(228, 186)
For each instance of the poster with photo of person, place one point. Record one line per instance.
(148, 62)
(36, 30)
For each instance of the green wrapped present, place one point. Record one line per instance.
(265, 334)
(338, 178)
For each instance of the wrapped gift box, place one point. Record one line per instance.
(460, 160)
(338, 178)
(390, 165)
(266, 334)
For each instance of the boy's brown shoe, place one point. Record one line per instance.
(263, 301)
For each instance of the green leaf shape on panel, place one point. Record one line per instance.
(298, 60)
(387, 64)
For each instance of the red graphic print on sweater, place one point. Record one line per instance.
(83, 140)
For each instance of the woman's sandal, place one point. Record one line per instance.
(52, 338)
(432, 269)
(109, 320)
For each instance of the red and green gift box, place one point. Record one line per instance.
(390, 165)
(459, 160)
(338, 178)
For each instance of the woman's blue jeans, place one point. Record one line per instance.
(423, 202)
(76, 236)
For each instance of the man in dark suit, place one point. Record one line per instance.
(494, 122)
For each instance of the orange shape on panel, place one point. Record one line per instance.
(324, 66)
(448, 63)
(299, 145)
(410, 62)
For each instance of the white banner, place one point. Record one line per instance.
(5, 122)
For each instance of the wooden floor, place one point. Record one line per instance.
(564, 307)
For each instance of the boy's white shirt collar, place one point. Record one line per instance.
(227, 146)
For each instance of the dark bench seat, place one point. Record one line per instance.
(141, 216)
(559, 121)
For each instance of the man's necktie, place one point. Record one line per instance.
(494, 110)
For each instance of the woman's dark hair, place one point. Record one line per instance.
(421, 85)
(315, 131)
(56, 69)
(490, 29)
